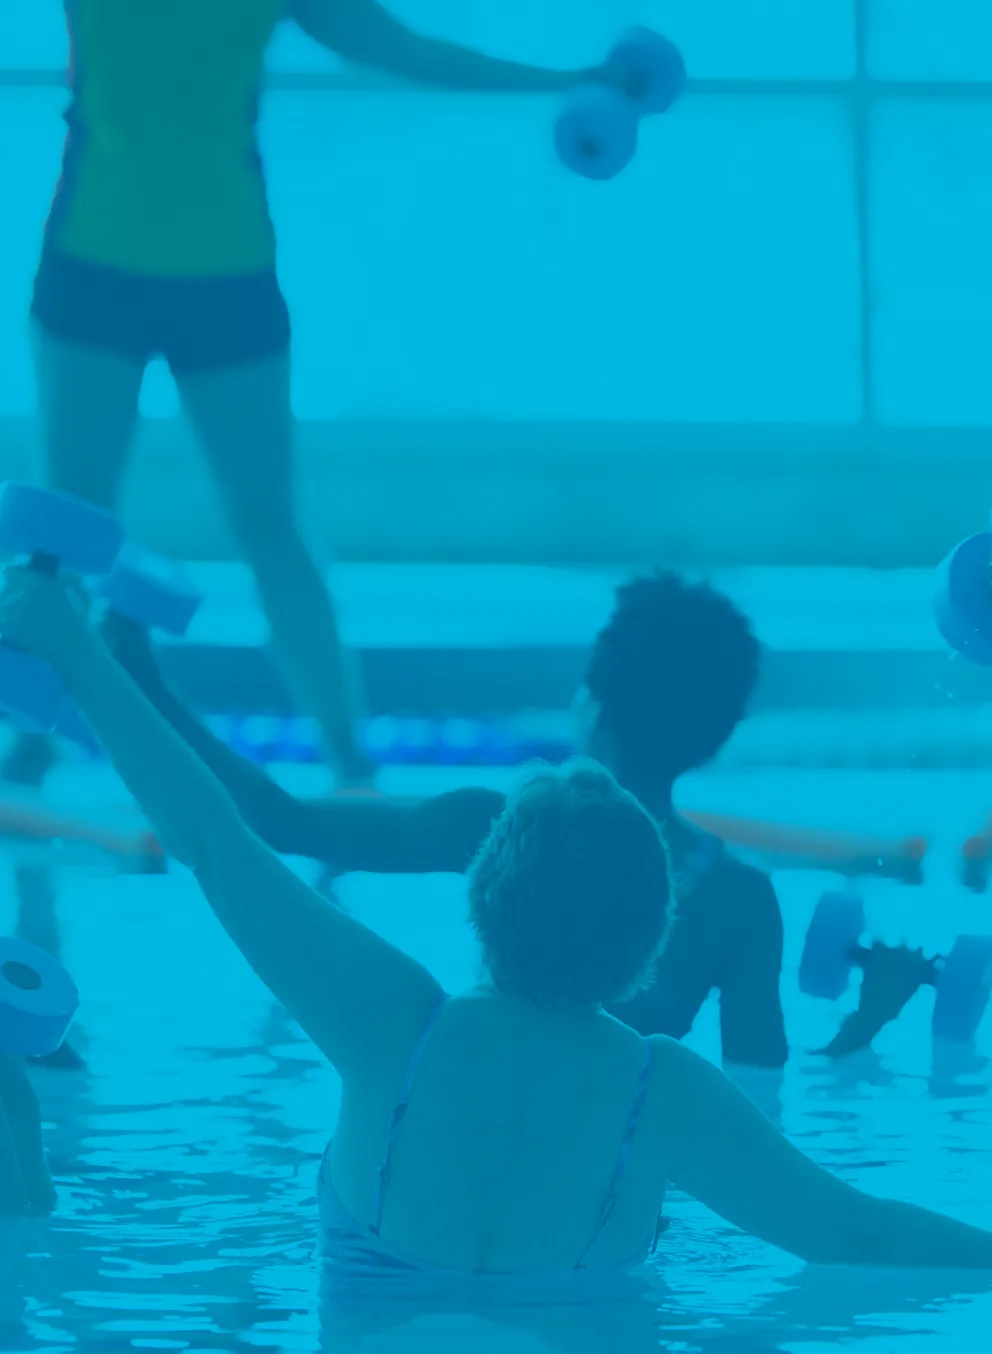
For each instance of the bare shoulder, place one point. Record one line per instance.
(691, 1087)
(675, 1064)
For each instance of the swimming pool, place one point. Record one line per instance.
(187, 1154)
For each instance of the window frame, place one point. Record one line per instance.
(860, 92)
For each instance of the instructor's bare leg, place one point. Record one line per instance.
(87, 410)
(244, 420)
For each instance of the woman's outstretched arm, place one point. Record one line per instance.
(727, 1155)
(356, 996)
(381, 836)
(365, 32)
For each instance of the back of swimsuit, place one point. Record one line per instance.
(343, 1232)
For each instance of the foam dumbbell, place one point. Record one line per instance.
(963, 601)
(962, 979)
(596, 133)
(54, 531)
(149, 591)
(38, 1000)
(832, 946)
(963, 988)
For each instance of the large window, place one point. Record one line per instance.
(802, 240)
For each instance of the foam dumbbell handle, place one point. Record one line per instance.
(596, 133)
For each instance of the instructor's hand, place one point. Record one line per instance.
(893, 974)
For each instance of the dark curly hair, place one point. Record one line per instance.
(569, 895)
(672, 673)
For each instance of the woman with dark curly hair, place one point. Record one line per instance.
(517, 1128)
(668, 680)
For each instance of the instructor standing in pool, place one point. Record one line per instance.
(160, 243)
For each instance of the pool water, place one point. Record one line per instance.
(187, 1153)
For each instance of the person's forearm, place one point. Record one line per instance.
(445, 65)
(855, 1034)
(904, 1236)
(377, 836)
(274, 815)
(184, 801)
(368, 35)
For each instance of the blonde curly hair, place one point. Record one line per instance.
(570, 894)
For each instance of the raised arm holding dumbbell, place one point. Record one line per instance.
(54, 531)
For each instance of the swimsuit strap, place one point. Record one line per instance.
(399, 1113)
(623, 1158)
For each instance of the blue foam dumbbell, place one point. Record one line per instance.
(54, 531)
(38, 1000)
(831, 947)
(596, 133)
(149, 591)
(963, 988)
(963, 602)
(963, 980)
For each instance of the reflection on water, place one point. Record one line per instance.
(187, 1155)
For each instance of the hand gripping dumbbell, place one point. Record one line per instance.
(596, 133)
(963, 601)
(38, 1000)
(54, 531)
(150, 592)
(962, 979)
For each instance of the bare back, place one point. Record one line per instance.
(506, 1155)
